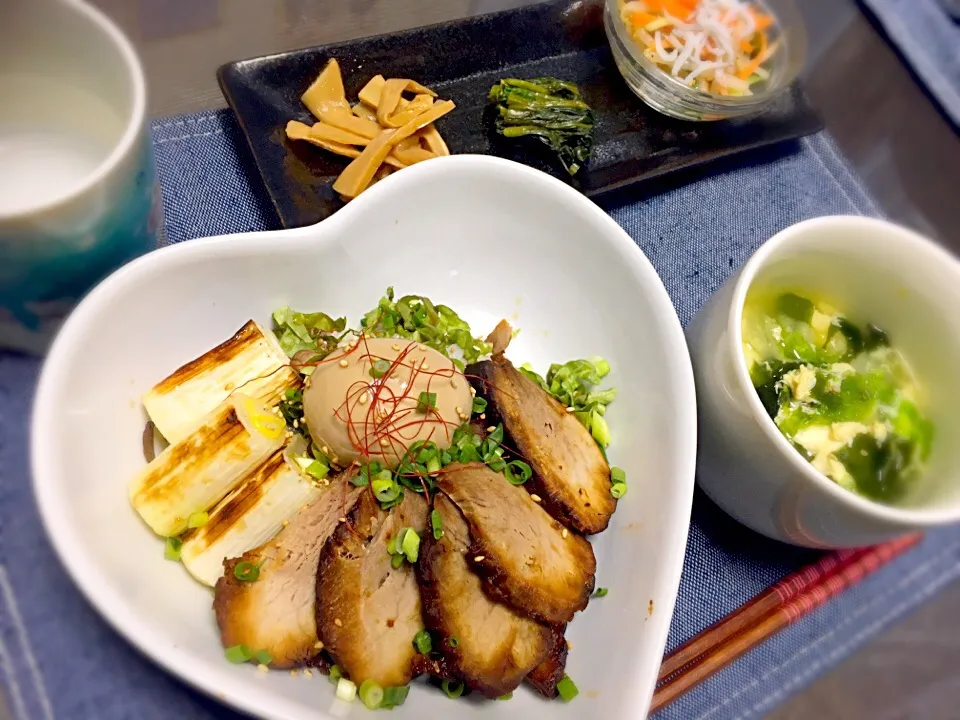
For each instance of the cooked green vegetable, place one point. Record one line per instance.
(567, 689)
(838, 392)
(298, 331)
(550, 110)
(415, 317)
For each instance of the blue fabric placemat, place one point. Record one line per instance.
(58, 659)
(927, 34)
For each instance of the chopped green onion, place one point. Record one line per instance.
(479, 405)
(453, 641)
(293, 395)
(396, 561)
(246, 571)
(507, 696)
(171, 550)
(518, 472)
(618, 490)
(371, 694)
(238, 654)
(385, 488)
(198, 519)
(426, 401)
(335, 673)
(317, 469)
(617, 475)
(410, 545)
(601, 592)
(379, 368)
(263, 657)
(346, 690)
(452, 689)
(436, 524)
(423, 642)
(394, 696)
(496, 436)
(567, 689)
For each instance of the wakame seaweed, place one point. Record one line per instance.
(548, 110)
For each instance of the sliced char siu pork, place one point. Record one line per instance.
(545, 676)
(485, 643)
(571, 475)
(276, 612)
(526, 558)
(368, 612)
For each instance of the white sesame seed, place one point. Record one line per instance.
(570, 409)
(396, 347)
(459, 410)
(473, 391)
(478, 558)
(294, 673)
(534, 497)
(424, 365)
(308, 672)
(338, 622)
(453, 384)
(318, 645)
(564, 533)
(325, 449)
(343, 519)
(483, 416)
(285, 523)
(344, 363)
(262, 668)
(384, 442)
(296, 423)
(491, 429)
(362, 399)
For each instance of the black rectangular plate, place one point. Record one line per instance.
(461, 60)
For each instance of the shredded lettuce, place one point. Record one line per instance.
(298, 331)
(416, 318)
(574, 385)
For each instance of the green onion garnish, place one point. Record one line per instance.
(394, 696)
(396, 561)
(238, 654)
(601, 592)
(379, 368)
(567, 689)
(436, 524)
(617, 475)
(517, 472)
(423, 642)
(198, 519)
(317, 470)
(453, 641)
(426, 401)
(171, 550)
(479, 405)
(452, 689)
(346, 690)
(618, 490)
(385, 488)
(371, 694)
(263, 657)
(508, 696)
(410, 545)
(335, 673)
(246, 572)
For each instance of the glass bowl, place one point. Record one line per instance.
(672, 97)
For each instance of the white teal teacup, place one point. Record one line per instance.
(78, 189)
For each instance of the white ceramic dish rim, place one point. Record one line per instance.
(907, 518)
(125, 620)
(131, 132)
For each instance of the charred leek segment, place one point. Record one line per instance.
(192, 475)
(249, 516)
(550, 110)
(251, 361)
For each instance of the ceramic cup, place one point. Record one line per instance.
(872, 271)
(78, 188)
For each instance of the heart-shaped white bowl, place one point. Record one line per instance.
(488, 237)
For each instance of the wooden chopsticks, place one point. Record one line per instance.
(768, 613)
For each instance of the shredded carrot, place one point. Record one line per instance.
(642, 19)
(746, 46)
(761, 20)
(751, 67)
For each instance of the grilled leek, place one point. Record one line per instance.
(192, 475)
(248, 517)
(251, 361)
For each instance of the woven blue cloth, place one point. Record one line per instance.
(927, 33)
(58, 659)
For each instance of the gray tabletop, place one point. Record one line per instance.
(882, 119)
